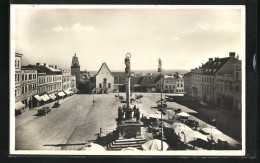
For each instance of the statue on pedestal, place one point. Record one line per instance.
(128, 64)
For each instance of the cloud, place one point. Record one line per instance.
(175, 38)
(157, 39)
(223, 26)
(76, 28)
(226, 26)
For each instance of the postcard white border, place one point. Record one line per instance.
(143, 153)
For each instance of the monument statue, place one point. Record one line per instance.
(128, 64)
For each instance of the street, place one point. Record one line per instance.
(76, 121)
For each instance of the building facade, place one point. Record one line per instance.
(214, 82)
(75, 69)
(237, 88)
(104, 80)
(49, 82)
(18, 73)
(187, 83)
(68, 81)
(29, 86)
(19, 106)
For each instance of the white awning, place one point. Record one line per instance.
(38, 97)
(67, 92)
(44, 98)
(19, 105)
(61, 94)
(52, 97)
(47, 97)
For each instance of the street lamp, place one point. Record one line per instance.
(94, 98)
(160, 73)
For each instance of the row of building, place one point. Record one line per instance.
(217, 82)
(40, 83)
(105, 81)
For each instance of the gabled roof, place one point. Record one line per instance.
(211, 68)
(43, 69)
(104, 64)
(188, 74)
(146, 80)
(157, 78)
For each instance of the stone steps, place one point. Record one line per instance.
(125, 143)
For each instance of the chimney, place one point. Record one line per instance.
(210, 60)
(55, 66)
(38, 64)
(237, 56)
(44, 64)
(216, 58)
(232, 54)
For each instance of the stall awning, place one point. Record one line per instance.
(47, 97)
(52, 96)
(38, 97)
(19, 105)
(67, 92)
(61, 94)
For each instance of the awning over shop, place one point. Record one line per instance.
(61, 94)
(67, 92)
(38, 97)
(45, 97)
(19, 105)
(52, 96)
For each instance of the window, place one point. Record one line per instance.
(177, 85)
(15, 63)
(18, 64)
(181, 85)
(15, 93)
(109, 85)
(237, 75)
(100, 85)
(30, 76)
(15, 77)
(23, 90)
(237, 88)
(22, 77)
(25, 76)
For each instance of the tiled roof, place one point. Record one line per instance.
(104, 64)
(211, 68)
(43, 69)
(157, 78)
(188, 74)
(147, 80)
(119, 80)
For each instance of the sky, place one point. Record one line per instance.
(182, 38)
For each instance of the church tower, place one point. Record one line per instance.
(75, 69)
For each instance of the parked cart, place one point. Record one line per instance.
(44, 111)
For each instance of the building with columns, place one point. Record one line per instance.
(75, 69)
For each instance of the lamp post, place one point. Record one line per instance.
(160, 73)
(94, 98)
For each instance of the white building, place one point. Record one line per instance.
(104, 80)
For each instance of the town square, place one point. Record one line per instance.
(157, 79)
